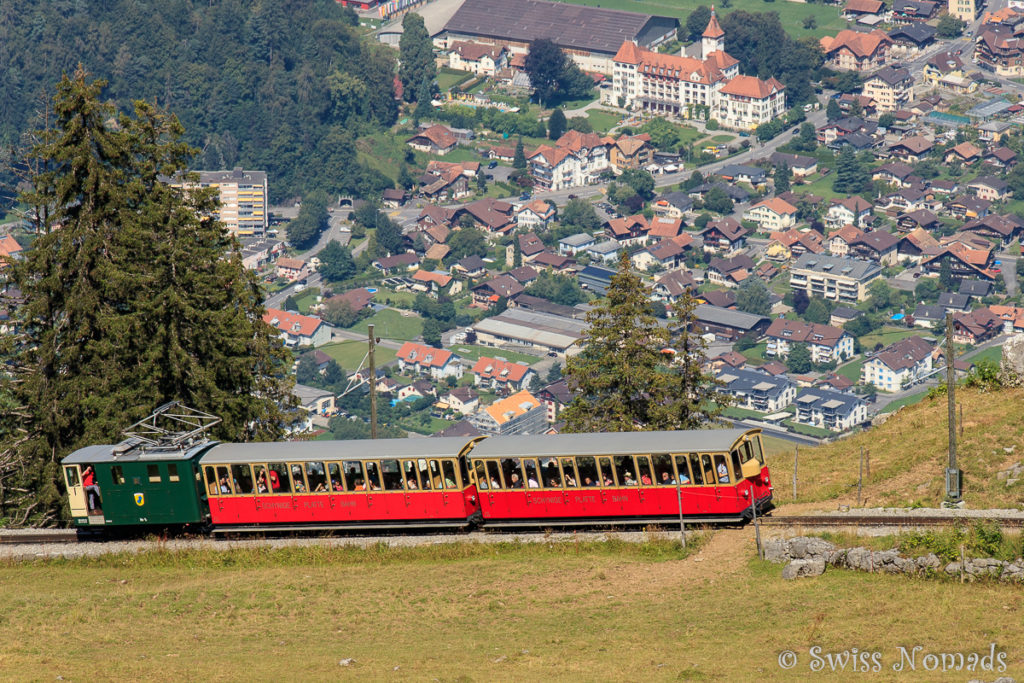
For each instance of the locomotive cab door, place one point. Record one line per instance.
(76, 491)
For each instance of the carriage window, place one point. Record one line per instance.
(450, 480)
(334, 470)
(172, 472)
(211, 481)
(512, 473)
(392, 475)
(643, 469)
(316, 475)
(532, 478)
(550, 473)
(607, 473)
(71, 476)
(624, 470)
(117, 474)
(435, 475)
(663, 474)
(684, 470)
(298, 479)
(261, 478)
(242, 478)
(409, 474)
(493, 474)
(569, 470)
(588, 471)
(279, 482)
(153, 472)
(481, 475)
(721, 469)
(421, 464)
(224, 481)
(355, 480)
(372, 476)
(696, 472)
(705, 466)
(736, 463)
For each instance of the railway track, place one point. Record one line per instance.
(34, 536)
(903, 521)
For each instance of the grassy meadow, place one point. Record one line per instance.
(908, 455)
(471, 612)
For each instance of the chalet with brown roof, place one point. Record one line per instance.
(912, 149)
(729, 359)
(556, 262)
(431, 214)
(471, 267)
(964, 153)
(434, 282)
(967, 206)
(426, 360)
(524, 275)
(501, 376)
(990, 188)
(482, 60)
(529, 246)
(667, 253)
(662, 228)
(535, 214)
(730, 272)
(854, 51)
(894, 173)
(494, 215)
(629, 230)
(463, 400)
(486, 294)
(436, 139)
(356, 299)
(393, 198)
(724, 236)
(555, 397)
(670, 286)
(629, 151)
(855, 9)
(1005, 228)
(1001, 157)
(437, 252)
(965, 261)
(878, 246)
(397, 263)
(788, 244)
(826, 343)
(445, 181)
(291, 269)
(921, 218)
(976, 327)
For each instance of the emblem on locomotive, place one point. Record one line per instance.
(140, 499)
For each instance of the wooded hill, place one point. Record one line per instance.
(283, 86)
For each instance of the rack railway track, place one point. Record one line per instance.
(899, 521)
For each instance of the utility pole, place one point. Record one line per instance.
(953, 479)
(373, 386)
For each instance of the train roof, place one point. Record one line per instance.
(612, 443)
(127, 451)
(290, 451)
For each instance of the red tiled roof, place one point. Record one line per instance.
(777, 205)
(441, 279)
(748, 86)
(503, 371)
(437, 134)
(860, 44)
(799, 331)
(424, 356)
(629, 53)
(714, 29)
(292, 323)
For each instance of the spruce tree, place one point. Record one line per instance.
(782, 178)
(556, 124)
(133, 297)
(695, 396)
(519, 160)
(416, 54)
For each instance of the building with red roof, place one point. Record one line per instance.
(426, 360)
(298, 330)
(501, 375)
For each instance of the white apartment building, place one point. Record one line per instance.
(897, 364)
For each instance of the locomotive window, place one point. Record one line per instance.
(569, 469)
(211, 481)
(481, 474)
(354, 478)
(451, 481)
(372, 476)
(153, 473)
(424, 474)
(588, 470)
(435, 475)
(550, 473)
(261, 478)
(624, 470)
(722, 469)
(316, 476)
(409, 474)
(242, 478)
(172, 472)
(736, 463)
(279, 482)
(334, 470)
(643, 469)
(705, 465)
(696, 472)
(663, 475)
(392, 475)
(683, 470)
(755, 448)
(71, 476)
(607, 472)
(494, 474)
(530, 478)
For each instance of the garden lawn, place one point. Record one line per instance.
(601, 120)
(473, 353)
(885, 336)
(905, 401)
(306, 298)
(851, 371)
(350, 353)
(392, 325)
(755, 354)
(447, 78)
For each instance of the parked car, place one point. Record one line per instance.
(492, 164)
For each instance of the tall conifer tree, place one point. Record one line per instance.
(133, 297)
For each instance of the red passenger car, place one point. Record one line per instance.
(402, 483)
(621, 478)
